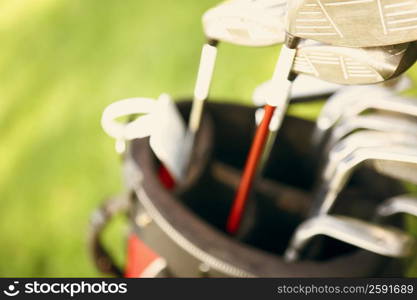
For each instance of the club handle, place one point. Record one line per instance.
(202, 86)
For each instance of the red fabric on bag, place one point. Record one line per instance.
(166, 179)
(139, 255)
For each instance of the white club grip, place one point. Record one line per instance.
(280, 83)
(205, 72)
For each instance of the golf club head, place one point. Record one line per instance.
(363, 139)
(356, 23)
(354, 66)
(388, 159)
(382, 240)
(388, 103)
(303, 87)
(403, 204)
(240, 22)
(398, 84)
(346, 97)
(404, 171)
(254, 23)
(383, 122)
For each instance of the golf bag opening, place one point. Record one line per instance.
(197, 209)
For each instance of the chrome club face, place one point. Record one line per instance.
(354, 23)
(355, 66)
(332, 64)
(383, 240)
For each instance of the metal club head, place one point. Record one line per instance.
(336, 106)
(395, 104)
(404, 204)
(354, 23)
(399, 162)
(254, 23)
(373, 121)
(354, 66)
(340, 65)
(241, 22)
(363, 139)
(382, 240)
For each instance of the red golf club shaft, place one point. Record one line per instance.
(255, 154)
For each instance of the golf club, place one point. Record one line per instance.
(395, 60)
(305, 88)
(399, 162)
(382, 240)
(257, 23)
(363, 139)
(403, 204)
(304, 14)
(396, 104)
(354, 23)
(357, 99)
(355, 66)
(383, 122)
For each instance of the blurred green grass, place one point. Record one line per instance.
(61, 63)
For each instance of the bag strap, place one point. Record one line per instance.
(99, 220)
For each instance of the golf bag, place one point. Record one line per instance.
(178, 229)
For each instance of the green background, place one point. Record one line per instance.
(61, 63)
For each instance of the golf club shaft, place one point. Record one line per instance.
(272, 135)
(201, 91)
(273, 131)
(202, 86)
(279, 97)
(249, 172)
